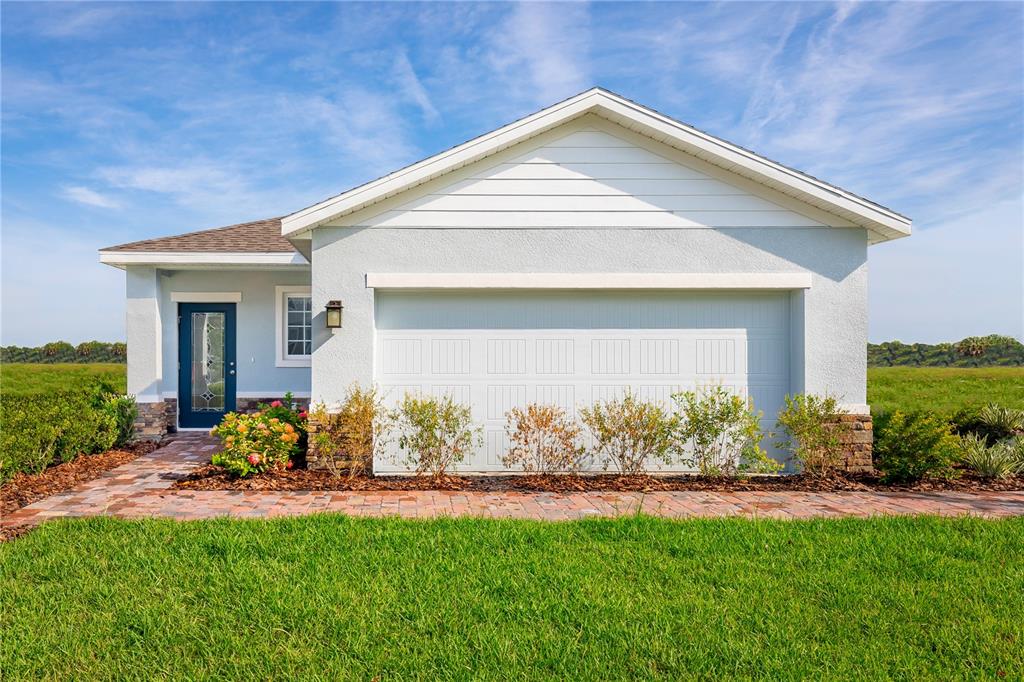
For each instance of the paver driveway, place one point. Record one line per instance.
(142, 488)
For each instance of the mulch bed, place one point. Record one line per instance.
(214, 478)
(24, 489)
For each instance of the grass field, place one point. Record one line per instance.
(27, 378)
(944, 389)
(331, 597)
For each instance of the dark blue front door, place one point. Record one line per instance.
(206, 363)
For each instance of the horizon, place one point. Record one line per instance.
(123, 122)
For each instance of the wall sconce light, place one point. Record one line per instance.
(334, 314)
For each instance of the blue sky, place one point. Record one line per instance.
(126, 121)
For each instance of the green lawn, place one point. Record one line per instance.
(944, 389)
(19, 378)
(331, 597)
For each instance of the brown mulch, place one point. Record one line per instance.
(214, 478)
(24, 489)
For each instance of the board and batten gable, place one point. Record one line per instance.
(594, 197)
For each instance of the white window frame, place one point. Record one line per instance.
(281, 329)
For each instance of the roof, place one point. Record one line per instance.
(259, 236)
(882, 223)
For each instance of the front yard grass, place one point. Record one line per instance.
(944, 389)
(25, 378)
(332, 597)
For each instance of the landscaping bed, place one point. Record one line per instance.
(24, 489)
(216, 478)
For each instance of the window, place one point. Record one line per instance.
(298, 325)
(294, 328)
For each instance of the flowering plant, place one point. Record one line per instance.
(255, 443)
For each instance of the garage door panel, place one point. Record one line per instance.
(495, 352)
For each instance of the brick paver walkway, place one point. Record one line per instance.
(141, 488)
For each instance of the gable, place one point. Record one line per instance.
(749, 168)
(590, 173)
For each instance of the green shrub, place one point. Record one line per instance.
(721, 432)
(39, 430)
(629, 433)
(435, 433)
(992, 422)
(915, 446)
(1001, 460)
(813, 433)
(254, 443)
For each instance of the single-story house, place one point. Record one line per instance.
(593, 247)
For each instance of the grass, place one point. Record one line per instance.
(944, 389)
(331, 597)
(18, 378)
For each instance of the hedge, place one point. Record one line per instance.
(37, 431)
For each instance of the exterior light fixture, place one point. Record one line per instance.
(334, 314)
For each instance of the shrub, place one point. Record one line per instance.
(115, 422)
(813, 433)
(914, 446)
(39, 430)
(357, 432)
(123, 410)
(628, 432)
(1002, 460)
(435, 433)
(723, 433)
(254, 443)
(543, 439)
(288, 411)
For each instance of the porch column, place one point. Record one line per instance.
(142, 325)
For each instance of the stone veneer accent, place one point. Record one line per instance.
(857, 442)
(251, 404)
(156, 420)
(314, 461)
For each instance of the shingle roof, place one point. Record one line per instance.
(259, 236)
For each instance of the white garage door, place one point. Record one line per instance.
(496, 351)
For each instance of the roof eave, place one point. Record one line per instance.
(202, 259)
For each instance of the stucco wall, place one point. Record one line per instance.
(152, 329)
(832, 337)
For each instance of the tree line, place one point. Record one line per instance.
(974, 351)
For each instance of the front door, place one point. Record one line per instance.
(206, 363)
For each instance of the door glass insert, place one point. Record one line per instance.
(208, 362)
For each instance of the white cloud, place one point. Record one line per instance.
(89, 197)
(413, 89)
(550, 45)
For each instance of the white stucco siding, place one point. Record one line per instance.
(828, 346)
(153, 341)
(590, 173)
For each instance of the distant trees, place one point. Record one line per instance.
(62, 351)
(975, 351)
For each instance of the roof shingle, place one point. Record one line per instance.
(259, 236)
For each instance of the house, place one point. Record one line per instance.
(592, 247)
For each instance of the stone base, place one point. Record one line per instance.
(314, 459)
(857, 439)
(156, 420)
(252, 404)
